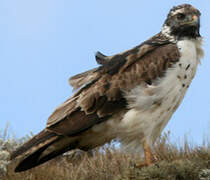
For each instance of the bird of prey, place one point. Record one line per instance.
(131, 96)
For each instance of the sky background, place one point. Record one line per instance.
(43, 43)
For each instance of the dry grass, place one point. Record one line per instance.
(172, 163)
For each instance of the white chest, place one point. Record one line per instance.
(153, 106)
(150, 112)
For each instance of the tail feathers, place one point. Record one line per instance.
(43, 147)
(40, 138)
(31, 160)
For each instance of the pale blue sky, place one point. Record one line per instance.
(43, 43)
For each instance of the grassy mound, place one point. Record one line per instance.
(172, 162)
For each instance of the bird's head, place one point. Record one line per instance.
(183, 21)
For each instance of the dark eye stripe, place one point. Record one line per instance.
(181, 16)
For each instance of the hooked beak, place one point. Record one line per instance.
(195, 21)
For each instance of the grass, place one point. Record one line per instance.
(172, 162)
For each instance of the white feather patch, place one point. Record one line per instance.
(152, 106)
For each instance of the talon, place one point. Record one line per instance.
(140, 165)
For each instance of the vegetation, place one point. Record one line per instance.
(172, 162)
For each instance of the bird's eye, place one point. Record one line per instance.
(181, 16)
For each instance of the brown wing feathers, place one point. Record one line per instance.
(105, 96)
(99, 97)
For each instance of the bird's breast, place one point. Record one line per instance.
(152, 106)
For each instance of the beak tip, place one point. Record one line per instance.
(195, 18)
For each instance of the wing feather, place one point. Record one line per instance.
(103, 89)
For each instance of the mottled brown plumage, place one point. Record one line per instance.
(103, 94)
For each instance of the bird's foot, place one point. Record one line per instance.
(148, 162)
(142, 165)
